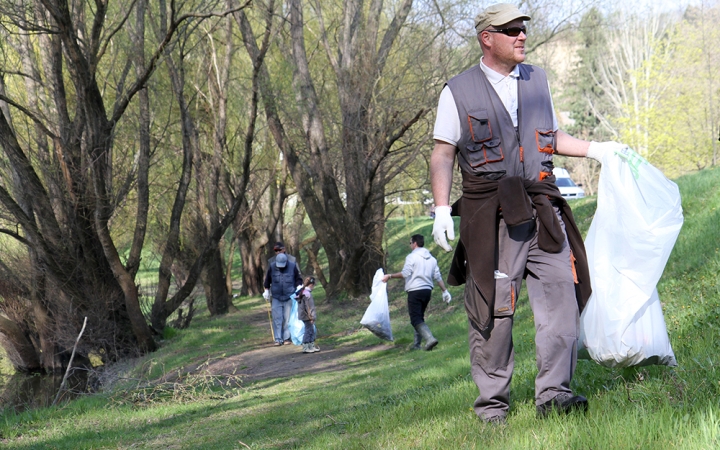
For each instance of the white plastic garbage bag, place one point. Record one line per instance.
(297, 326)
(637, 221)
(377, 315)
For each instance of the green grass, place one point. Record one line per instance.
(391, 398)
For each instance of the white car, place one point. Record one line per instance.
(567, 186)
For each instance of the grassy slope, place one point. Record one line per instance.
(397, 399)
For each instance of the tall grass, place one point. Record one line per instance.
(387, 397)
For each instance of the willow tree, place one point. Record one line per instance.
(67, 83)
(218, 114)
(355, 120)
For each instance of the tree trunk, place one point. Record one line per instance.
(228, 273)
(143, 157)
(159, 313)
(216, 293)
(19, 349)
(253, 275)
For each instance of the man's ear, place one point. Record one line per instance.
(485, 39)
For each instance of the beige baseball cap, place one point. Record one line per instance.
(498, 14)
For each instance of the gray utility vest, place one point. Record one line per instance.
(490, 145)
(282, 283)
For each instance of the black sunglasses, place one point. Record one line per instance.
(513, 32)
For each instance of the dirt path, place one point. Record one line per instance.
(278, 362)
(267, 361)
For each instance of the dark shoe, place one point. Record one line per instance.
(288, 342)
(563, 404)
(424, 331)
(494, 420)
(278, 343)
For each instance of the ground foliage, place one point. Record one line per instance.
(386, 396)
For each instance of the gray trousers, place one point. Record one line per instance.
(551, 289)
(280, 318)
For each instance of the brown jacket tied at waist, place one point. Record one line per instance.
(479, 210)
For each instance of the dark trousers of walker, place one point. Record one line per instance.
(551, 290)
(417, 302)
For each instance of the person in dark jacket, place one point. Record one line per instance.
(278, 248)
(281, 281)
(306, 313)
(497, 118)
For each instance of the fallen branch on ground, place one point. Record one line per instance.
(72, 356)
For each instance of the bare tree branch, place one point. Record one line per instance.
(115, 30)
(123, 102)
(15, 235)
(30, 115)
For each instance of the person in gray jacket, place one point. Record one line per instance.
(420, 270)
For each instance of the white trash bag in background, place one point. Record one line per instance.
(377, 315)
(638, 219)
(296, 326)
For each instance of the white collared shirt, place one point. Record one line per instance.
(447, 122)
(506, 88)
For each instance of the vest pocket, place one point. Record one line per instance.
(480, 129)
(545, 141)
(480, 154)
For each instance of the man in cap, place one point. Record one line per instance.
(498, 119)
(279, 247)
(280, 283)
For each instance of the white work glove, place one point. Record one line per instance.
(443, 224)
(446, 296)
(298, 289)
(266, 295)
(596, 150)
